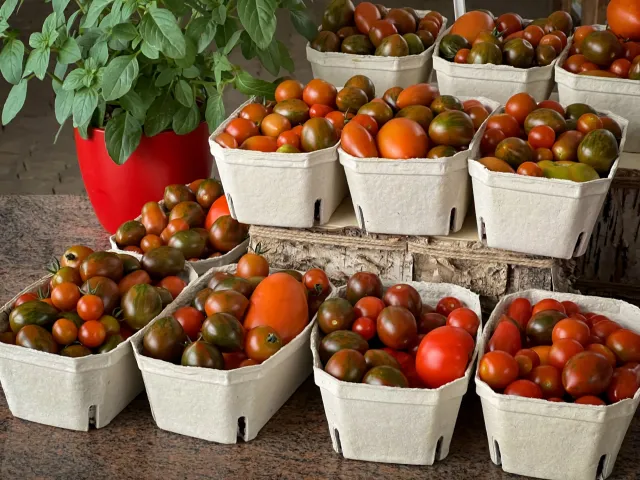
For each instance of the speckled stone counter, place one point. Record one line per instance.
(295, 444)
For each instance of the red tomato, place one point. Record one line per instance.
(319, 110)
(289, 138)
(92, 333)
(233, 360)
(571, 328)
(634, 367)
(527, 360)
(191, 320)
(498, 369)
(520, 311)
(604, 328)
(548, 304)
(543, 353)
(25, 297)
(621, 67)
(624, 384)
(586, 373)
(490, 141)
(549, 379)
(555, 399)
(506, 338)
(365, 327)
(367, 122)
(218, 209)
(562, 350)
(570, 308)
(553, 105)
(368, 307)
(443, 356)
(523, 388)
(625, 344)
(519, 106)
(505, 122)
(542, 136)
(605, 352)
(631, 50)
(464, 318)
(590, 400)
(447, 305)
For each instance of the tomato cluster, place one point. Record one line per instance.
(554, 351)
(546, 140)
(600, 53)
(370, 29)
(239, 319)
(479, 38)
(391, 338)
(195, 219)
(93, 301)
(414, 122)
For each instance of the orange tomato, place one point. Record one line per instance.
(357, 141)
(241, 129)
(149, 242)
(318, 91)
(519, 106)
(401, 138)
(226, 140)
(92, 333)
(367, 122)
(90, 307)
(260, 143)
(461, 55)
(419, 94)
(274, 124)
(581, 33)
(254, 112)
(471, 24)
(530, 169)
(319, 110)
(65, 296)
(174, 284)
(219, 208)
(548, 304)
(289, 89)
(553, 40)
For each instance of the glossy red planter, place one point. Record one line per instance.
(117, 192)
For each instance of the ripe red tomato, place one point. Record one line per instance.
(319, 110)
(316, 281)
(447, 305)
(509, 23)
(552, 40)
(289, 138)
(589, 122)
(530, 169)
(533, 34)
(365, 327)
(523, 388)
(621, 67)
(571, 328)
(625, 344)
(605, 352)
(519, 106)
(490, 140)
(520, 311)
(25, 297)
(590, 400)
(288, 89)
(505, 122)
(368, 307)
(92, 333)
(506, 338)
(586, 373)
(90, 307)
(562, 350)
(466, 319)
(624, 384)
(631, 50)
(602, 329)
(498, 369)
(191, 320)
(261, 343)
(548, 304)
(174, 284)
(634, 367)
(542, 136)
(443, 356)
(574, 62)
(241, 129)
(549, 379)
(571, 308)
(367, 122)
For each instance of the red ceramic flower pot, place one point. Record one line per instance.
(117, 192)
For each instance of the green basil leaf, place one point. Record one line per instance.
(249, 49)
(184, 93)
(122, 136)
(221, 64)
(190, 55)
(84, 103)
(97, 118)
(186, 120)
(95, 10)
(231, 44)
(124, 31)
(178, 7)
(69, 51)
(285, 58)
(11, 61)
(249, 85)
(166, 77)
(146, 90)
(293, 4)
(100, 53)
(73, 81)
(49, 27)
(38, 62)
(304, 25)
(214, 113)
(148, 51)
(201, 30)
(219, 14)
(88, 38)
(270, 58)
(159, 115)
(160, 29)
(7, 8)
(64, 105)
(37, 40)
(259, 20)
(83, 130)
(133, 104)
(4, 26)
(224, 32)
(15, 101)
(59, 6)
(130, 7)
(119, 76)
(192, 72)
(59, 71)
(72, 20)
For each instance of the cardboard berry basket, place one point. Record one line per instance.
(497, 82)
(419, 422)
(538, 216)
(563, 441)
(419, 196)
(620, 95)
(200, 266)
(384, 72)
(72, 393)
(297, 190)
(222, 405)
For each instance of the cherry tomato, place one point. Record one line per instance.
(289, 138)
(464, 318)
(571, 328)
(25, 297)
(365, 327)
(338, 119)
(542, 136)
(174, 284)
(92, 333)
(289, 89)
(241, 129)
(65, 296)
(149, 242)
(316, 281)
(624, 384)
(498, 369)
(589, 122)
(549, 379)
(631, 50)
(367, 122)
(541, 154)
(562, 36)
(523, 388)
(553, 105)
(506, 337)
(249, 362)
(519, 106)
(530, 169)
(90, 307)
(319, 110)
(604, 328)
(490, 140)
(527, 360)
(64, 331)
(571, 308)
(590, 400)
(233, 360)
(574, 62)
(520, 311)
(548, 304)
(461, 55)
(447, 305)
(368, 307)
(174, 226)
(562, 350)
(604, 351)
(552, 40)
(443, 356)
(254, 112)
(505, 122)
(543, 353)
(262, 342)
(581, 33)
(191, 320)
(533, 34)
(621, 67)
(625, 344)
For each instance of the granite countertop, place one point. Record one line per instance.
(295, 444)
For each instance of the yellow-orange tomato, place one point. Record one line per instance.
(260, 143)
(289, 89)
(65, 296)
(274, 124)
(226, 140)
(401, 138)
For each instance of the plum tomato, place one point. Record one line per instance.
(397, 327)
(520, 311)
(549, 379)
(335, 314)
(261, 343)
(624, 384)
(191, 320)
(586, 373)
(571, 328)
(92, 333)
(625, 344)
(363, 284)
(542, 136)
(430, 321)
(590, 400)
(443, 356)
(548, 304)
(252, 265)
(365, 327)
(604, 351)
(498, 369)
(505, 338)
(288, 138)
(464, 318)
(602, 329)
(562, 350)
(523, 388)
(368, 307)
(447, 305)
(347, 365)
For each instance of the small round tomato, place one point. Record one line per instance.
(581, 33)
(519, 106)
(588, 67)
(461, 55)
(447, 305)
(548, 304)
(571, 328)
(444, 354)
(111, 324)
(542, 136)
(523, 388)
(530, 169)
(274, 124)
(289, 89)
(562, 36)
(319, 91)
(552, 40)
(478, 115)
(233, 360)
(527, 360)
(365, 327)
(149, 242)
(498, 369)
(90, 307)
(338, 119)
(261, 343)
(25, 297)
(226, 140)
(571, 308)
(65, 296)
(604, 351)
(621, 67)
(602, 329)
(541, 154)
(549, 379)
(520, 311)
(368, 307)
(589, 122)
(174, 226)
(624, 384)
(316, 281)
(625, 344)
(319, 110)
(553, 105)
(92, 333)
(174, 284)
(252, 265)
(590, 400)
(543, 353)
(490, 140)
(464, 318)
(533, 34)
(289, 138)
(191, 320)
(64, 331)
(367, 122)
(562, 350)
(505, 122)
(241, 129)
(574, 62)
(254, 112)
